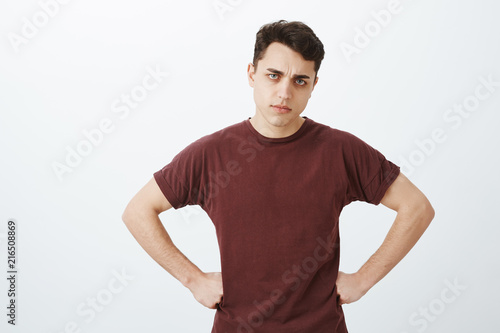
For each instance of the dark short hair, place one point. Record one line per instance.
(296, 35)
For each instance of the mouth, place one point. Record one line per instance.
(281, 108)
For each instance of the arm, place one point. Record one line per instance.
(414, 214)
(142, 220)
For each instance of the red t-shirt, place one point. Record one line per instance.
(275, 204)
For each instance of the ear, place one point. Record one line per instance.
(250, 74)
(314, 85)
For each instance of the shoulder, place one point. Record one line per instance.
(222, 134)
(343, 144)
(215, 139)
(333, 135)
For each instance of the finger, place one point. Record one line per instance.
(213, 305)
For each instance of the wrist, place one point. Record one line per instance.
(192, 279)
(365, 281)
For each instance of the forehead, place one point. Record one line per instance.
(282, 57)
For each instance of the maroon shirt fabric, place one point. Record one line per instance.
(275, 204)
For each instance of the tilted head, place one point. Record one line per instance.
(288, 56)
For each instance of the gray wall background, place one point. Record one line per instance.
(66, 66)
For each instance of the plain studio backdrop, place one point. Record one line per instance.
(97, 96)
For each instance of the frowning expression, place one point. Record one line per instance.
(282, 83)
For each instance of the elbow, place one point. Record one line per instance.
(128, 214)
(419, 211)
(131, 218)
(429, 213)
(125, 216)
(425, 212)
(135, 213)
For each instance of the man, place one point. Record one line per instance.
(274, 186)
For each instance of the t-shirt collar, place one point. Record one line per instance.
(289, 138)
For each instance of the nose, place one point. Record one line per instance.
(285, 90)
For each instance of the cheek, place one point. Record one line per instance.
(261, 92)
(302, 98)
(258, 97)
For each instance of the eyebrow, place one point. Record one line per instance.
(296, 76)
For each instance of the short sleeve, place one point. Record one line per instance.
(180, 180)
(369, 173)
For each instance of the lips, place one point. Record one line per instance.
(281, 108)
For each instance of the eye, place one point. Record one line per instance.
(301, 84)
(272, 77)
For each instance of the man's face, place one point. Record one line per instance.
(283, 78)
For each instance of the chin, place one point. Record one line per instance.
(281, 120)
(278, 122)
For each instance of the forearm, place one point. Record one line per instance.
(406, 230)
(150, 233)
